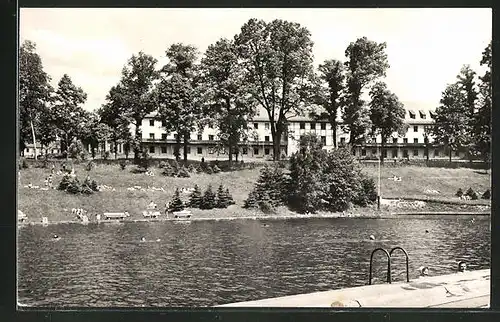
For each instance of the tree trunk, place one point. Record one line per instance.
(116, 150)
(333, 123)
(67, 147)
(177, 148)
(138, 138)
(186, 143)
(450, 153)
(230, 149)
(34, 140)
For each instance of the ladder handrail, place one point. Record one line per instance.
(388, 265)
(407, 260)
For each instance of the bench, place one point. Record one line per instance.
(116, 215)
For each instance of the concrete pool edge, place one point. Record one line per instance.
(459, 290)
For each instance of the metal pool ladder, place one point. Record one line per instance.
(389, 256)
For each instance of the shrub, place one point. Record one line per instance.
(459, 193)
(183, 173)
(76, 150)
(251, 201)
(169, 171)
(215, 169)
(24, 164)
(94, 186)
(229, 197)
(470, 192)
(265, 204)
(74, 186)
(195, 199)
(65, 182)
(208, 201)
(367, 192)
(123, 164)
(105, 155)
(192, 168)
(208, 169)
(486, 194)
(162, 164)
(145, 160)
(139, 169)
(90, 166)
(86, 190)
(273, 184)
(176, 204)
(223, 198)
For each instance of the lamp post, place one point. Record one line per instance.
(378, 195)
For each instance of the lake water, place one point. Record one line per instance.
(205, 263)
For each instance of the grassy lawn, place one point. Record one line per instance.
(57, 205)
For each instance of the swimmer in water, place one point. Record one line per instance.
(55, 236)
(143, 239)
(372, 237)
(462, 267)
(158, 240)
(424, 271)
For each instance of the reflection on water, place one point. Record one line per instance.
(208, 263)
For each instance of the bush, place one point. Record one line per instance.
(265, 204)
(139, 169)
(65, 182)
(105, 155)
(123, 164)
(24, 164)
(162, 164)
(183, 173)
(90, 166)
(459, 193)
(145, 160)
(367, 193)
(224, 199)
(208, 169)
(74, 186)
(251, 201)
(208, 201)
(470, 192)
(169, 171)
(215, 169)
(76, 150)
(94, 186)
(271, 184)
(486, 194)
(176, 204)
(192, 168)
(195, 199)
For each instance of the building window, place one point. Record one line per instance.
(415, 140)
(256, 125)
(211, 137)
(342, 140)
(384, 153)
(394, 140)
(245, 151)
(151, 149)
(436, 153)
(432, 114)
(188, 149)
(210, 150)
(210, 126)
(395, 153)
(164, 136)
(412, 114)
(175, 136)
(151, 122)
(199, 137)
(405, 140)
(266, 138)
(415, 128)
(422, 114)
(302, 125)
(363, 152)
(415, 153)
(313, 126)
(405, 153)
(266, 125)
(255, 151)
(199, 150)
(163, 123)
(323, 140)
(152, 136)
(374, 151)
(266, 151)
(163, 149)
(323, 126)
(457, 153)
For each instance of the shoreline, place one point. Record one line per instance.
(382, 215)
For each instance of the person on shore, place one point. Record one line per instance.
(46, 182)
(462, 267)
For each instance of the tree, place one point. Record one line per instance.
(178, 95)
(366, 62)
(222, 198)
(34, 95)
(386, 114)
(332, 73)
(482, 119)
(176, 204)
(279, 75)
(134, 95)
(208, 201)
(466, 80)
(68, 114)
(225, 92)
(195, 198)
(451, 116)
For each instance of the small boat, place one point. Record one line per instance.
(182, 215)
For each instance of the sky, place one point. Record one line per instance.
(426, 47)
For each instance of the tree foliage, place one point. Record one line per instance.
(176, 204)
(277, 59)
(386, 113)
(209, 199)
(366, 62)
(195, 199)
